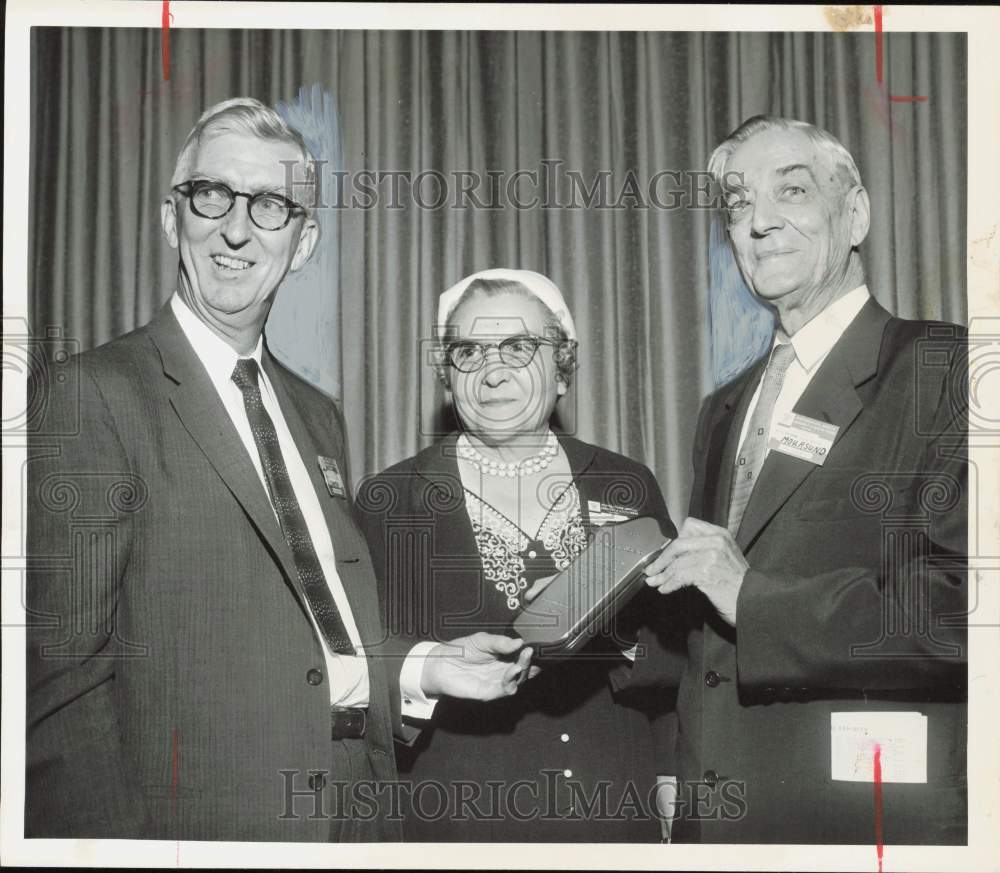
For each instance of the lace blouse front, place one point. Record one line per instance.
(512, 559)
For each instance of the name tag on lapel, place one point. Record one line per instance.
(331, 475)
(802, 437)
(609, 513)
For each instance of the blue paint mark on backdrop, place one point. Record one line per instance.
(303, 329)
(742, 328)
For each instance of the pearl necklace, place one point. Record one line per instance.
(512, 469)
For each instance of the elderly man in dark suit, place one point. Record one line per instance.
(214, 665)
(822, 566)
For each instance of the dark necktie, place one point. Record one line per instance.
(293, 523)
(751, 456)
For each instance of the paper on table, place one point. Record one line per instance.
(902, 737)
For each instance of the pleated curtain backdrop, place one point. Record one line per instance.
(106, 130)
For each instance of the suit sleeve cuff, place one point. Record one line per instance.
(759, 624)
(415, 704)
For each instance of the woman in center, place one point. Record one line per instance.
(460, 532)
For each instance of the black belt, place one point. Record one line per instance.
(347, 722)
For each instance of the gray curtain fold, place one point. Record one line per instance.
(105, 132)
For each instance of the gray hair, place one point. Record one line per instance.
(565, 352)
(247, 116)
(826, 143)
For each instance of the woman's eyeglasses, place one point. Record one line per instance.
(467, 356)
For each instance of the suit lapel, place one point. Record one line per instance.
(831, 396)
(589, 487)
(316, 432)
(579, 454)
(200, 410)
(315, 435)
(438, 467)
(315, 439)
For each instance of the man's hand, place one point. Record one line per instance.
(707, 557)
(477, 667)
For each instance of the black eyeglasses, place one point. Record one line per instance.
(467, 356)
(268, 210)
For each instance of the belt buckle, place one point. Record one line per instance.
(347, 722)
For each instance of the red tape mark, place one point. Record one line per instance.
(165, 17)
(879, 58)
(878, 44)
(877, 790)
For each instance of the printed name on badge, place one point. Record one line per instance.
(802, 437)
(331, 475)
(609, 513)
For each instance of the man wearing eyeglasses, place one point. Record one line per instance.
(217, 667)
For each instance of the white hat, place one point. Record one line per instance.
(535, 283)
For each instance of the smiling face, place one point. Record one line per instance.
(793, 222)
(229, 267)
(499, 402)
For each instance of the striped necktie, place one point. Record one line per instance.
(751, 456)
(286, 507)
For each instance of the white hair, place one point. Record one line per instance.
(826, 144)
(247, 116)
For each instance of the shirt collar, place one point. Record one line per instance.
(813, 341)
(216, 355)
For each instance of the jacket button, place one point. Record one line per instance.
(317, 781)
(314, 677)
(711, 679)
(564, 738)
(710, 777)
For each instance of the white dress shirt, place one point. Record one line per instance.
(347, 674)
(812, 343)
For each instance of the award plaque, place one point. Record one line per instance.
(582, 600)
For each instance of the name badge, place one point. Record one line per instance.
(609, 513)
(331, 475)
(802, 437)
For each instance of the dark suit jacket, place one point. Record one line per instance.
(854, 600)
(430, 575)
(169, 643)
